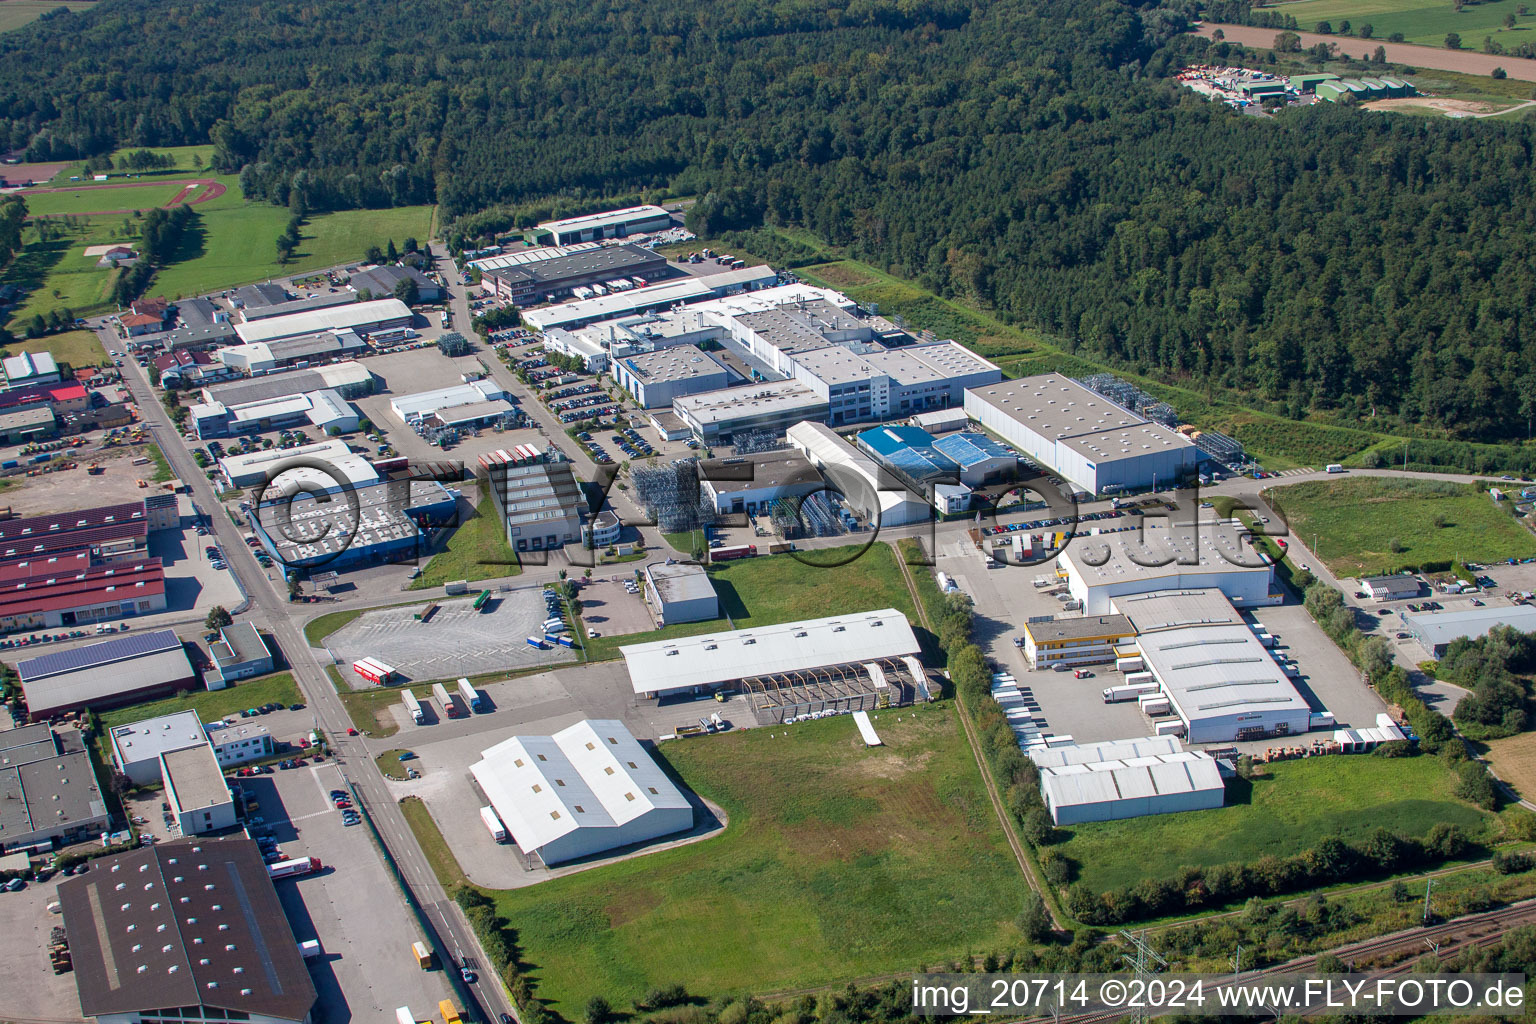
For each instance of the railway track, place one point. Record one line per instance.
(1469, 932)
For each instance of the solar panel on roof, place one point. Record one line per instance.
(116, 649)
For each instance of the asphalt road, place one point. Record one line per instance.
(284, 619)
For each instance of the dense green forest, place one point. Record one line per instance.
(1028, 156)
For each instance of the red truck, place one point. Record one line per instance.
(731, 553)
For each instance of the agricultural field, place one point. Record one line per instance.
(837, 861)
(16, 13)
(1371, 525)
(1282, 813)
(477, 550)
(1514, 759)
(1419, 21)
(778, 588)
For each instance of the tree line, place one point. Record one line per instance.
(1036, 161)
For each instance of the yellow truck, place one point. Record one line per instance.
(423, 955)
(449, 1011)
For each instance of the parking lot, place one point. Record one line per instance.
(366, 968)
(611, 610)
(32, 992)
(459, 641)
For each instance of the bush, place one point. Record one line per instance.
(1474, 786)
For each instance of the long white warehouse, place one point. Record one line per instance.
(700, 663)
(1163, 555)
(362, 317)
(873, 492)
(1082, 436)
(583, 791)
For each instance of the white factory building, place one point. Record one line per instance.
(137, 747)
(773, 406)
(680, 592)
(655, 379)
(874, 492)
(1220, 680)
(598, 345)
(362, 317)
(1082, 436)
(303, 350)
(585, 790)
(699, 664)
(867, 382)
(424, 404)
(1162, 555)
(632, 220)
(1126, 779)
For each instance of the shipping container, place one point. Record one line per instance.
(1134, 678)
(373, 670)
(1168, 727)
(565, 641)
(422, 954)
(537, 641)
(1131, 664)
(449, 1012)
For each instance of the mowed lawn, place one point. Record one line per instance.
(1287, 811)
(85, 198)
(1356, 521)
(1418, 21)
(769, 589)
(187, 160)
(211, 704)
(838, 861)
(477, 550)
(77, 348)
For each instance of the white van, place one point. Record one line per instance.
(1334, 467)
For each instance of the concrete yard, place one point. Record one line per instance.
(74, 488)
(366, 968)
(609, 608)
(32, 992)
(1328, 680)
(457, 642)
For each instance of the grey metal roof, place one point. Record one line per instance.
(681, 581)
(193, 778)
(1214, 671)
(1080, 628)
(1173, 609)
(133, 645)
(1435, 628)
(244, 642)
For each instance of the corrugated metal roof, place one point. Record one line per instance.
(1109, 750)
(970, 448)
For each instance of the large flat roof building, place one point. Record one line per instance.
(658, 377)
(373, 524)
(423, 404)
(659, 296)
(585, 790)
(1162, 555)
(753, 484)
(527, 284)
(240, 653)
(1080, 640)
(1084, 437)
(263, 357)
(48, 789)
(307, 304)
(541, 505)
(108, 532)
(379, 282)
(1437, 630)
(772, 406)
(537, 254)
(870, 382)
(35, 596)
(362, 317)
(1223, 683)
(136, 747)
(189, 930)
(252, 468)
(631, 220)
(123, 670)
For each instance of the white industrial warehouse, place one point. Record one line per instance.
(1220, 680)
(873, 492)
(1082, 436)
(422, 404)
(1126, 779)
(583, 791)
(362, 317)
(697, 664)
(1164, 555)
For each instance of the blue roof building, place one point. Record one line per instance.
(980, 458)
(910, 452)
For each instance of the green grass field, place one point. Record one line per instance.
(83, 199)
(188, 160)
(478, 550)
(212, 704)
(444, 864)
(838, 861)
(231, 243)
(1298, 803)
(77, 348)
(1418, 21)
(366, 709)
(16, 13)
(1357, 523)
(779, 588)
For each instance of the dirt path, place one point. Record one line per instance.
(1464, 61)
(193, 191)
